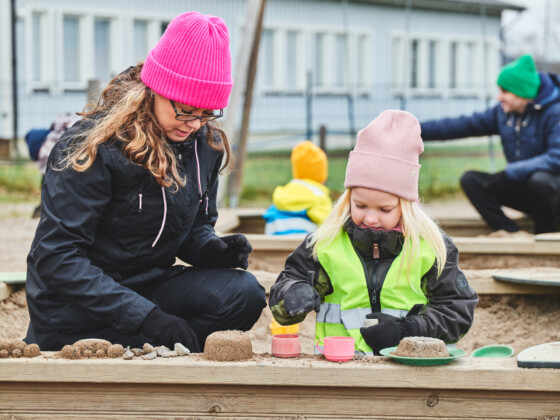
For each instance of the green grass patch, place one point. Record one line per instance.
(442, 167)
(20, 181)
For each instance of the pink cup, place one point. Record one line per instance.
(286, 345)
(337, 349)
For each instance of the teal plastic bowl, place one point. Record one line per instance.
(495, 350)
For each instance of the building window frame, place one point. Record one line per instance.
(452, 67)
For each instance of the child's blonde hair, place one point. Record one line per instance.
(415, 224)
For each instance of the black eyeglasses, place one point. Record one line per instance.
(188, 117)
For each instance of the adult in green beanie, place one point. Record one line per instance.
(527, 119)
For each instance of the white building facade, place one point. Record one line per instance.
(322, 62)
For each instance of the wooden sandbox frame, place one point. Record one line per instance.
(267, 387)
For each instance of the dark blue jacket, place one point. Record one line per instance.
(531, 141)
(111, 231)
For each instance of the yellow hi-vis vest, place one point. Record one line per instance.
(344, 311)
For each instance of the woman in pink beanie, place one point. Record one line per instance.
(379, 268)
(129, 190)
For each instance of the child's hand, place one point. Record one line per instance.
(389, 333)
(301, 298)
(381, 317)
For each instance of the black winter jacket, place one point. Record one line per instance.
(111, 231)
(449, 313)
(531, 141)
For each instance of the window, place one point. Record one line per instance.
(362, 58)
(414, 63)
(37, 46)
(292, 60)
(427, 65)
(340, 78)
(267, 54)
(319, 61)
(432, 64)
(102, 29)
(140, 40)
(470, 74)
(453, 57)
(71, 54)
(338, 60)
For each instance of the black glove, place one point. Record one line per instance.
(381, 317)
(301, 298)
(496, 181)
(166, 329)
(389, 333)
(226, 252)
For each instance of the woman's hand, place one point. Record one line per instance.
(166, 329)
(230, 251)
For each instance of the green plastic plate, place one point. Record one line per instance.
(496, 350)
(423, 361)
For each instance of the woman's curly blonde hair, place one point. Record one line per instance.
(125, 113)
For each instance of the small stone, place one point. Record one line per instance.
(70, 352)
(87, 354)
(4, 354)
(148, 348)
(18, 345)
(128, 355)
(150, 356)
(137, 352)
(161, 349)
(31, 350)
(93, 344)
(16, 353)
(115, 350)
(181, 350)
(100, 353)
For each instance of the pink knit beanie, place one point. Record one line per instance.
(386, 155)
(191, 62)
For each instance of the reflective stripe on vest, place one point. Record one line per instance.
(344, 311)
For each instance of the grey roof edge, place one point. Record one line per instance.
(492, 7)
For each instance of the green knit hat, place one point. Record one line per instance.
(520, 77)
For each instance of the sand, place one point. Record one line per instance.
(518, 321)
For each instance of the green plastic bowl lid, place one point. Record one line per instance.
(496, 350)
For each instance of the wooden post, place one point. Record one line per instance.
(229, 123)
(235, 181)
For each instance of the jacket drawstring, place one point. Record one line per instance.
(200, 196)
(164, 217)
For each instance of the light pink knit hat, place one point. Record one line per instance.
(191, 62)
(386, 155)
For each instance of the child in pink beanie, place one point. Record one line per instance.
(378, 258)
(129, 191)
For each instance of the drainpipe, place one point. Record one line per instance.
(14, 79)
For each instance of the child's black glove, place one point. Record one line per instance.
(166, 329)
(389, 332)
(381, 317)
(301, 298)
(230, 251)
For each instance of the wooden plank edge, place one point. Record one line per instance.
(465, 373)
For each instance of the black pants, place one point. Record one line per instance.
(208, 299)
(538, 196)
